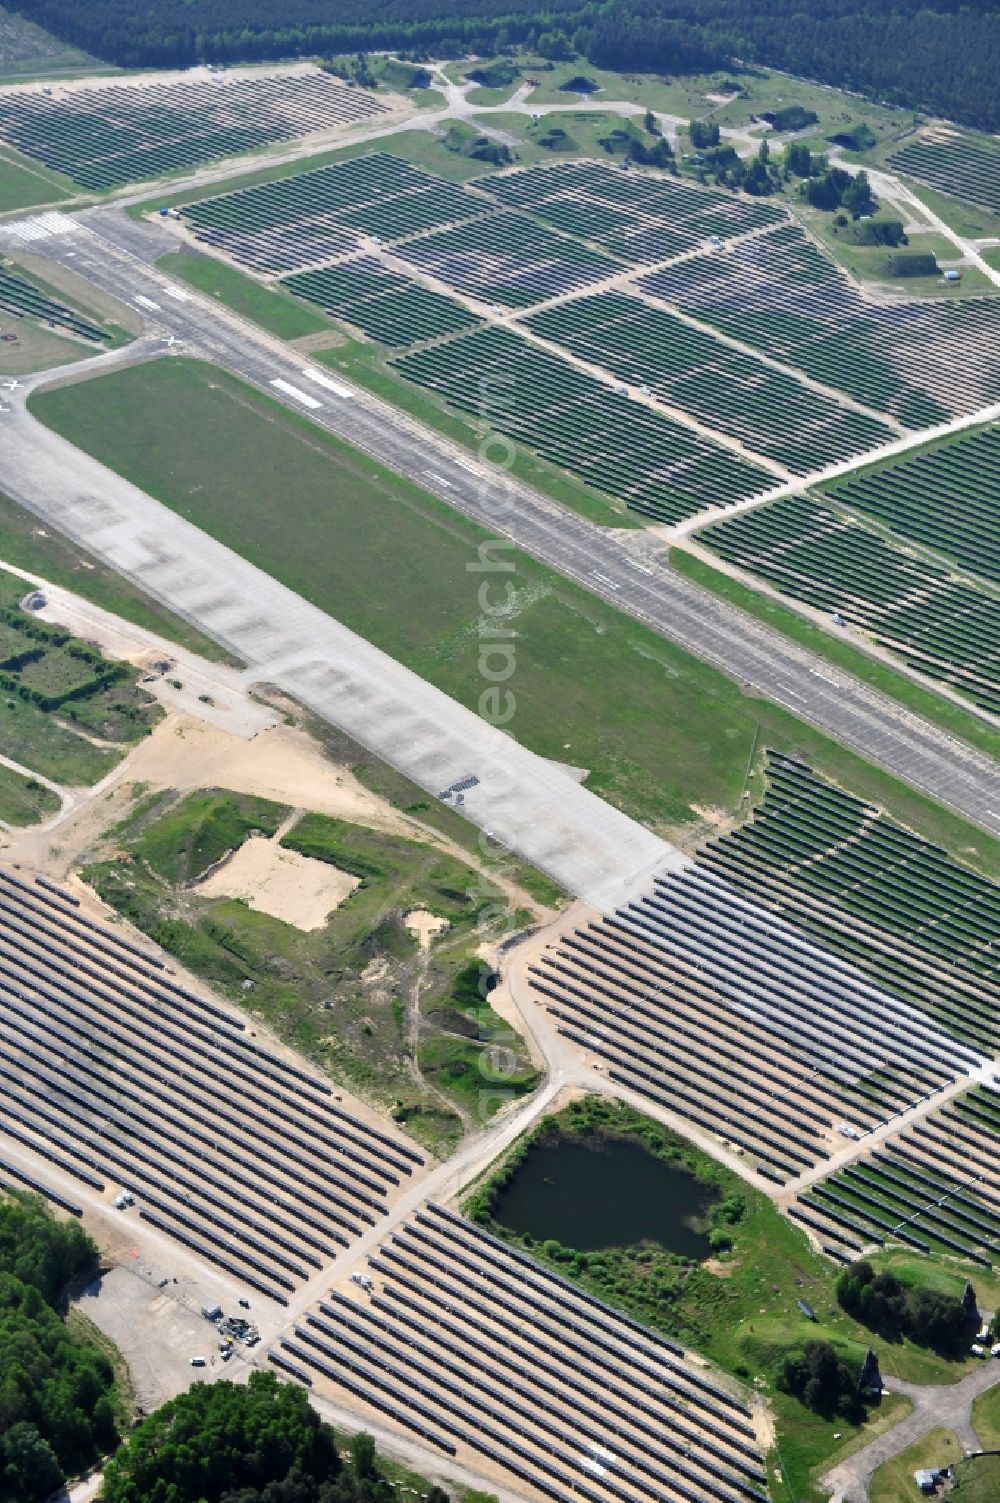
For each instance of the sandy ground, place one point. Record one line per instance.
(424, 925)
(287, 885)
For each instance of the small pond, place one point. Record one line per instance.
(592, 1195)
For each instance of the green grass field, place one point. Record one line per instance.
(405, 1027)
(986, 1419)
(658, 731)
(977, 1480)
(270, 307)
(23, 801)
(27, 185)
(893, 1482)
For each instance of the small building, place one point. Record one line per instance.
(807, 1309)
(925, 1480)
(212, 1312)
(869, 1378)
(951, 275)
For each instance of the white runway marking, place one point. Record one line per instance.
(325, 381)
(178, 293)
(146, 302)
(293, 391)
(41, 227)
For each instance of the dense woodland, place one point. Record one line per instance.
(57, 1412)
(256, 1443)
(938, 55)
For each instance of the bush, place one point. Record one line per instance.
(824, 1383)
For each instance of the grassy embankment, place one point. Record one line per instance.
(661, 734)
(740, 1308)
(405, 1027)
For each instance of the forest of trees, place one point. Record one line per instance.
(938, 55)
(256, 1443)
(57, 1412)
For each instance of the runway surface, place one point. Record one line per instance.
(116, 254)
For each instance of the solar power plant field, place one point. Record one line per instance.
(472, 1344)
(121, 1078)
(920, 362)
(816, 967)
(935, 1187)
(916, 922)
(383, 304)
(941, 625)
(506, 258)
(947, 496)
(964, 166)
(104, 137)
(316, 216)
(521, 241)
(638, 219)
(633, 452)
(766, 410)
(24, 300)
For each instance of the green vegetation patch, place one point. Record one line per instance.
(58, 694)
(23, 800)
(275, 1446)
(893, 1481)
(183, 844)
(359, 995)
(659, 731)
(269, 307)
(60, 1407)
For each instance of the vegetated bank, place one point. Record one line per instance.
(406, 1024)
(763, 1306)
(662, 735)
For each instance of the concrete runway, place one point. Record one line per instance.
(531, 805)
(117, 255)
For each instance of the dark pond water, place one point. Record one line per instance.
(613, 1195)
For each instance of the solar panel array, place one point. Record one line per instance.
(934, 1187)
(313, 217)
(22, 299)
(937, 623)
(638, 218)
(946, 496)
(902, 909)
(119, 1077)
(769, 412)
(923, 362)
(468, 1342)
(104, 137)
(725, 997)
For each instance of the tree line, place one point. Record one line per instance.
(57, 1402)
(935, 55)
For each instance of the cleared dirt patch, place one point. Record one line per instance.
(424, 925)
(282, 883)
